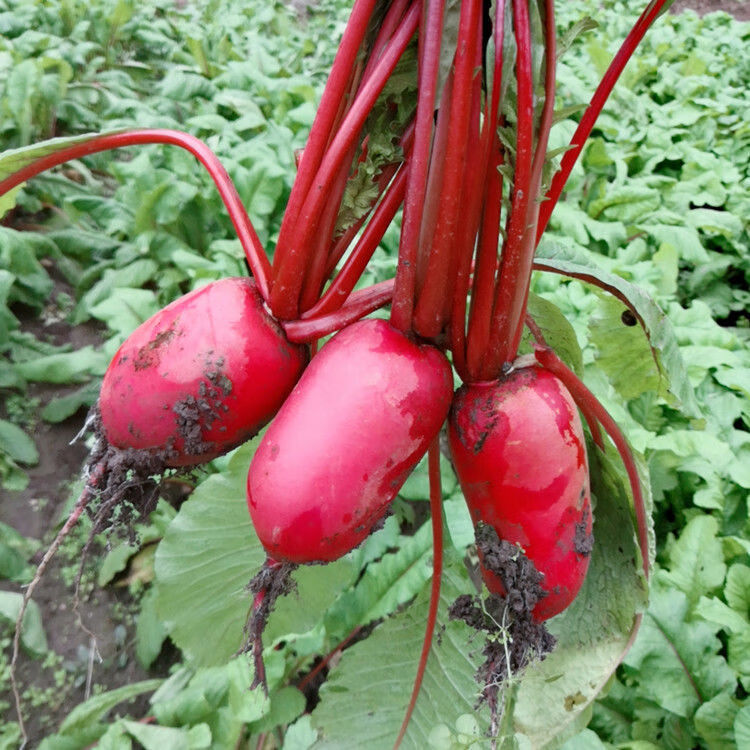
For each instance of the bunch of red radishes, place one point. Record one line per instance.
(350, 422)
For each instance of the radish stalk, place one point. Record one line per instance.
(288, 278)
(436, 515)
(254, 252)
(429, 67)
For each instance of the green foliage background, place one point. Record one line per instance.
(660, 199)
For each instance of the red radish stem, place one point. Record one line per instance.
(360, 303)
(486, 265)
(583, 396)
(436, 513)
(510, 286)
(430, 312)
(535, 181)
(471, 191)
(341, 287)
(289, 277)
(434, 181)
(333, 94)
(251, 245)
(429, 67)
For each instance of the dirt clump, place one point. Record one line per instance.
(513, 637)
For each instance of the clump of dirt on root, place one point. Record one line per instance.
(513, 637)
(273, 580)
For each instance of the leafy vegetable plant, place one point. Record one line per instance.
(318, 484)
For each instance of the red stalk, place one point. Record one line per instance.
(314, 274)
(388, 28)
(436, 509)
(540, 154)
(328, 110)
(430, 309)
(472, 193)
(429, 65)
(589, 404)
(480, 314)
(360, 303)
(254, 252)
(289, 277)
(585, 126)
(434, 181)
(510, 293)
(355, 264)
(596, 433)
(383, 180)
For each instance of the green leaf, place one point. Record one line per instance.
(168, 738)
(67, 367)
(674, 384)
(677, 658)
(737, 589)
(207, 557)
(33, 637)
(300, 735)
(17, 444)
(85, 714)
(557, 330)
(13, 160)
(386, 584)
(59, 409)
(696, 559)
(714, 721)
(150, 632)
(742, 727)
(366, 695)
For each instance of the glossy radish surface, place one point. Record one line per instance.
(519, 452)
(199, 377)
(358, 421)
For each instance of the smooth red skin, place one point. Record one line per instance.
(520, 456)
(356, 424)
(221, 328)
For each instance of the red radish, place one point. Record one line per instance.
(345, 440)
(201, 376)
(519, 452)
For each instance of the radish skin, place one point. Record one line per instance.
(520, 456)
(201, 376)
(356, 424)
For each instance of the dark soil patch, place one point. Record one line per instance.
(52, 690)
(513, 637)
(740, 9)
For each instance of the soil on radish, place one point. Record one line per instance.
(513, 637)
(583, 542)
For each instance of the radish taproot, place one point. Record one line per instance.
(357, 422)
(201, 376)
(519, 451)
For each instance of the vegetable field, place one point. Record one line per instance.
(171, 617)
